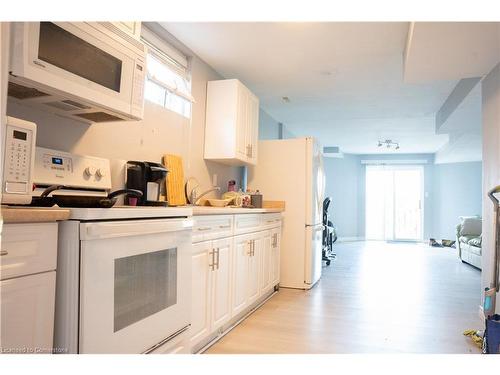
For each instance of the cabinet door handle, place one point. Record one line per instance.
(218, 257)
(249, 248)
(224, 226)
(204, 228)
(212, 253)
(253, 247)
(4, 252)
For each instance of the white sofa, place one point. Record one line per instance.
(469, 238)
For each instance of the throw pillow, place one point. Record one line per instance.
(471, 225)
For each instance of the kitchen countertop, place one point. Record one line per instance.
(33, 215)
(21, 214)
(208, 210)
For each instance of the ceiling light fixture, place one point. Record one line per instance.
(388, 143)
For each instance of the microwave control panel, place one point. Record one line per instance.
(53, 167)
(19, 151)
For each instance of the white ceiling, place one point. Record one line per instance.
(451, 50)
(344, 80)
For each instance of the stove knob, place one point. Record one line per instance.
(100, 173)
(89, 171)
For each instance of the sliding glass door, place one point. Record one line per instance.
(394, 202)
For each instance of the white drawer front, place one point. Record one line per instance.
(212, 227)
(28, 249)
(247, 223)
(270, 220)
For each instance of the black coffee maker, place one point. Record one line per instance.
(149, 178)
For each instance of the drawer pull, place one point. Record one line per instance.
(224, 226)
(204, 228)
(4, 252)
(270, 221)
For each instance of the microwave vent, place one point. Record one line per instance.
(67, 105)
(22, 92)
(99, 117)
(76, 104)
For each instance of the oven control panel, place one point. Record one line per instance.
(53, 167)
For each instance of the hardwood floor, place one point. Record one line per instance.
(375, 297)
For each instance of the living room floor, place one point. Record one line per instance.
(375, 297)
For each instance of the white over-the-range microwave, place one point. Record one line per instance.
(88, 71)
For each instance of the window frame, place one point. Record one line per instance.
(182, 69)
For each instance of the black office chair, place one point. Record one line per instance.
(329, 234)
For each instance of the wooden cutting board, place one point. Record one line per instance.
(174, 180)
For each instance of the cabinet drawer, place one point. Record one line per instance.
(247, 223)
(28, 249)
(270, 220)
(212, 227)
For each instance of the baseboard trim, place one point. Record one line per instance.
(235, 324)
(350, 239)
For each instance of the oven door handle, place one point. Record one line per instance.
(112, 229)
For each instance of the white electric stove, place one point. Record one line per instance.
(123, 273)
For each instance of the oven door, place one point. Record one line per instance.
(135, 284)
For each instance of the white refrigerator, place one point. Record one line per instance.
(292, 170)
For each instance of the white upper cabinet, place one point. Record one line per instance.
(130, 27)
(232, 123)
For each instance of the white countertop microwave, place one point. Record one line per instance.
(88, 71)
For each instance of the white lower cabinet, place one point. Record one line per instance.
(221, 283)
(254, 269)
(28, 313)
(200, 291)
(28, 260)
(240, 266)
(267, 263)
(211, 282)
(275, 255)
(230, 276)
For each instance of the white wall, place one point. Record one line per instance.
(457, 192)
(269, 128)
(342, 180)
(491, 169)
(161, 131)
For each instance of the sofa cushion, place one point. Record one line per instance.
(475, 241)
(471, 225)
(466, 239)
